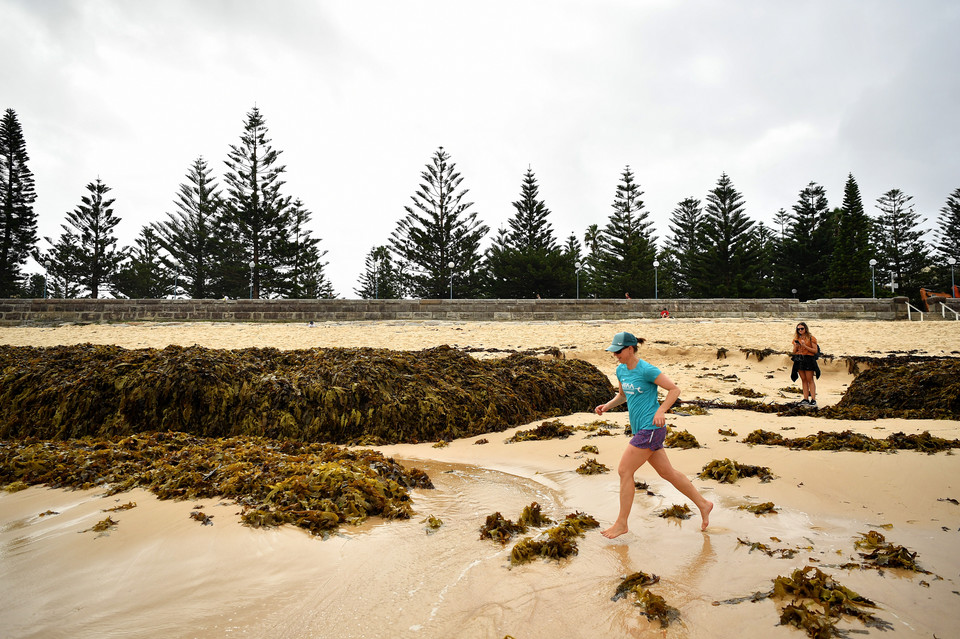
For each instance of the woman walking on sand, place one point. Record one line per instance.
(805, 350)
(638, 387)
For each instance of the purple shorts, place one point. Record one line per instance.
(651, 438)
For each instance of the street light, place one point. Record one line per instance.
(952, 261)
(176, 284)
(656, 293)
(251, 278)
(873, 278)
(893, 274)
(450, 266)
(46, 273)
(577, 266)
(376, 278)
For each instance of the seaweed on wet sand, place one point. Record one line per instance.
(203, 518)
(849, 440)
(433, 523)
(784, 553)
(766, 508)
(884, 554)
(314, 486)
(681, 439)
(677, 511)
(728, 471)
(557, 542)
(499, 528)
(651, 605)
(103, 525)
(533, 516)
(552, 429)
(759, 353)
(589, 449)
(339, 395)
(482, 440)
(592, 467)
(817, 603)
(726, 432)
(126, 506)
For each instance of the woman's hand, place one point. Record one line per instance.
(601, 409)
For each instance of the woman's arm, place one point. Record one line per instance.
(673, 393)
(808, 349)
(618, 399)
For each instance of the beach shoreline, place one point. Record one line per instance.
(159, 569)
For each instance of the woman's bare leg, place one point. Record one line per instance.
(665, 469)
(633, 458)
(809, 386)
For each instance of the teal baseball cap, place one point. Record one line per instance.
(621, 341)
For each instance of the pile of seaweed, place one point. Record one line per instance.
(651, 605)
(924, 389)
(339, 395)
(499, 528)
(552, 429)
(313, 486)
(818, 602)
(557, 542)
(849, 440)
(727, 471)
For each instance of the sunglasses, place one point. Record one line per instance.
(800, 328)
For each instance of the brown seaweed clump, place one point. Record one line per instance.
(817, 603)
(726, 432)
(103, 525)
(592, 467)
(553, 429)
(116, 509)
(589, 449)
(652, 606)
(743, 391)
(314, 486)
(681, 439)
(202, 517)
(926, 389)
(783, 553)
(849, 440)
(677, 511)
(883, 554)
(533, 516)
(339, 395)
(433, 523)
(557, 542)
(499, 528)
(766, 508)
(727, 471)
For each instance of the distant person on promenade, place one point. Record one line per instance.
(639, 382)
(805, 352)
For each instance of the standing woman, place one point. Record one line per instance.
(805, 349)
(639, 382)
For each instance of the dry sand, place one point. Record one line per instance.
(161, 574)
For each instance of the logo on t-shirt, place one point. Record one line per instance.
(630, 389)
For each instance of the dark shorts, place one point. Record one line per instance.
(651, 438)
(807, 363)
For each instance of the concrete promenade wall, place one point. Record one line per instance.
(27, 312)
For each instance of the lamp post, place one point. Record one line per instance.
(376, 279)
(251, 278)
(176, 284)
(46, 273)
(450, 266)
(873, 278)
(656, 293)
(953, 262)
(578, 265)
(893, 275)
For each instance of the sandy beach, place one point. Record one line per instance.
(161, 574)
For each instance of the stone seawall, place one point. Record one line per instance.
(25, 312)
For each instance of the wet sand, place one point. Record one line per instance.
(161, 574)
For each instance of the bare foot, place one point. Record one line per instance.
(705, 515)
(614, 531)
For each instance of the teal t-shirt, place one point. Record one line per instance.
(641, 392)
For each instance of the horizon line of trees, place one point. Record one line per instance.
(247, 237)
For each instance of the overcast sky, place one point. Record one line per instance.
(359, 95)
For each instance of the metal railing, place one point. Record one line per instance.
(943, 311)
(912, 307)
